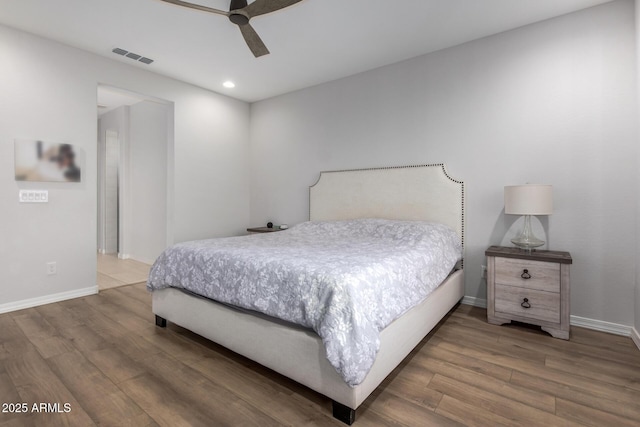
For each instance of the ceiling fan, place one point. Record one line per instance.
(240, 14)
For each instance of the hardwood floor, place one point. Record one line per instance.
(104, 357)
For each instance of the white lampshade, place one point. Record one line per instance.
(528, 199)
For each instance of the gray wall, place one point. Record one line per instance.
(637, 189)
(49, 93)
(148, 180)
(550, 103)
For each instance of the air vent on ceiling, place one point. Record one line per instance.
(132, 55)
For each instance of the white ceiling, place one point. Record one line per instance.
(312, 42)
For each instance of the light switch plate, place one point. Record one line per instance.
(33, 196)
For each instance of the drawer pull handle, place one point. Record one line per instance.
(525, 303)
(525, 274)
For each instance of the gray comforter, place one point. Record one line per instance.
(347, 280)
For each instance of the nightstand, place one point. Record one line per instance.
(529, 287)
(255, 230)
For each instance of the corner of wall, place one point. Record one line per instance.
(636, 336)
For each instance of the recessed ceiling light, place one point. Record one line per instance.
(229, 84)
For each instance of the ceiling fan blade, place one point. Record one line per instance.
(260, 7)
(253, 40)
(197, 7)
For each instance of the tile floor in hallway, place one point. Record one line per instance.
(114, 272)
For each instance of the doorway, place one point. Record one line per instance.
(135, 166)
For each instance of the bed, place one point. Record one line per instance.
(411, 193)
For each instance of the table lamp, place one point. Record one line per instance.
(527, 200)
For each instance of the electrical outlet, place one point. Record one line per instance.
(484, 271)
(52, 268)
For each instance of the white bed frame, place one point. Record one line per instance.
(409, 193)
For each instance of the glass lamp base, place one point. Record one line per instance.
(527, 245)
(526, 240)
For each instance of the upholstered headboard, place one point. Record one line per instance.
(425, 192)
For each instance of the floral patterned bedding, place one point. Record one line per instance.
(347, 280)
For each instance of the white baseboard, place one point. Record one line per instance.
(47, 299)
(123, 256)
(474, 302)
(601, 325)
(143, 260)
(635, 336)
(583, 322)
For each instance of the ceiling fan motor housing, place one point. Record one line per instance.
(235, 17)
(237, 4)
(238, 18)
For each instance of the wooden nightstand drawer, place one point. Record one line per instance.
(539, 305)
(540, 275)
(544, 284)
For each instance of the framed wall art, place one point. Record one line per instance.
(42, 161)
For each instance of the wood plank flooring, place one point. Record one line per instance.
(104, 357)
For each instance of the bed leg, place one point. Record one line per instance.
(343, 413)
(162, 322)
